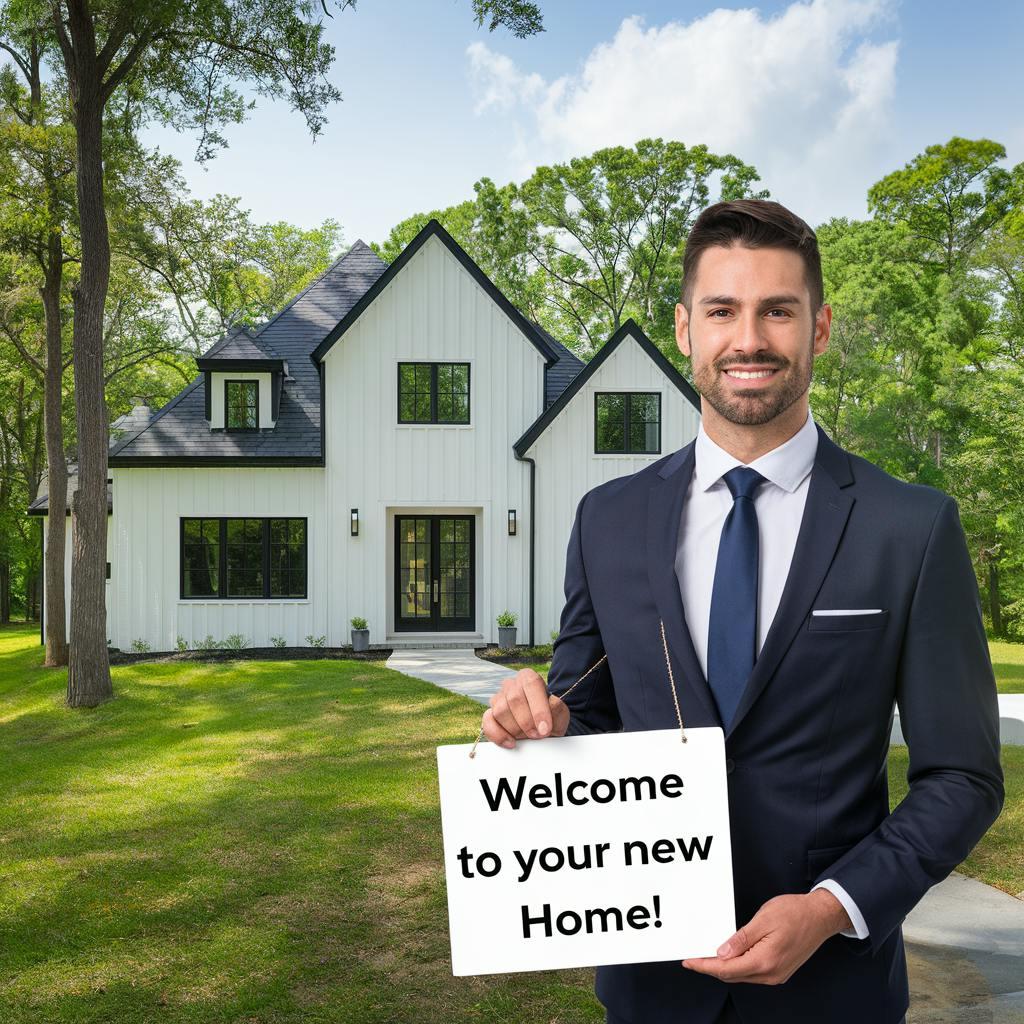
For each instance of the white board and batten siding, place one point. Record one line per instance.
(145, 554)
(567, 466)
(433, 311)
(111, 606)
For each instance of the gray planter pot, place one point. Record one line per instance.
(360, 639)
(506, 637)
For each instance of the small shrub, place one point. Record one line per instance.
(358, 622)
(507, 618)
(316, 641)
(181, 644)
(140, 646)
(207, 644)
(235, 642)
(554, 635)
(278, 641)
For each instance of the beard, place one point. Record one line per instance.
(754, 406)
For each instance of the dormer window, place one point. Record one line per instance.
(241, 404)
(244, 382)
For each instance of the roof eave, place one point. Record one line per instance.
(629, 329)
(431, 229)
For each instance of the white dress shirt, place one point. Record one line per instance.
(779, 503)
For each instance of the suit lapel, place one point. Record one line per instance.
(826, 512)
(664, 506)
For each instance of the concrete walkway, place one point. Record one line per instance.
(965, 955)
(455, 669)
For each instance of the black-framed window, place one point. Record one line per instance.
(241, 405)
(433, 392)
(200, 557)
(243, 558)
(627, 422)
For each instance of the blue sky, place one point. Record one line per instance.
(823, 97)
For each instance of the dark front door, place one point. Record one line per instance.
(434, 573)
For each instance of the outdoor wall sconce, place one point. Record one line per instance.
(511, 522)
(355, 522)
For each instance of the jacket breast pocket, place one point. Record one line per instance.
(846, 621)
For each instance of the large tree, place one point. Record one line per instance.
(37, 215)
(180, 63)
(582, 246)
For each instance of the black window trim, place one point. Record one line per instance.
(433, 393)
(222, 561)
(240, 430)
(628, 406)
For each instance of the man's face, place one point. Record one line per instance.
(751, 333)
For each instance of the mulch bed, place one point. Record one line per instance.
(255, 654)
(513, 656)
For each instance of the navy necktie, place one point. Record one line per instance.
(732, 629)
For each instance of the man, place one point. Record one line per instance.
(803, 593)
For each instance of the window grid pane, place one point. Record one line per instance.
(610, 431)
(287, 558)
(244, 556)
(643, 423)
(242, 404)
(417, 396)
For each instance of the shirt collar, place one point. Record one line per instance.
(786, 466)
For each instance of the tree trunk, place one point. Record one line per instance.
(57, 472)
(5, 593)
(993, 598)
(89, 666)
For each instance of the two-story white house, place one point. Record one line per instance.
(399, 443)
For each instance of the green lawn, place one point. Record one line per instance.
(1008, 662)
(255, 842)
(245, 842)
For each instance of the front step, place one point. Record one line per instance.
(407, 641)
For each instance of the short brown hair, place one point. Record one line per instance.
(756, 223)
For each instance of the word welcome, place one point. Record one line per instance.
(579, 792)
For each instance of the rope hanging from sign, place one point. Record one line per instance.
(604, 657)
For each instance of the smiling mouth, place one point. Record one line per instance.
(750, 374)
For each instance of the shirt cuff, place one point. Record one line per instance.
(860, 927)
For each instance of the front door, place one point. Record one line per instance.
(434, 574)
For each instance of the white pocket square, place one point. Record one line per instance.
(847, 611)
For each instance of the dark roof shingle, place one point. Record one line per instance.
(180, 430)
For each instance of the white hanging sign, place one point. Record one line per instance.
(586, 850)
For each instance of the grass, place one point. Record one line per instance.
(247, 841)
(257, 842)
(1008, 662)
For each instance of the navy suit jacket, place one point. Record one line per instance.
(806, 750)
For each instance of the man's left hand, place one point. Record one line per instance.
(780, 937)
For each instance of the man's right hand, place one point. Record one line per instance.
(523, 709)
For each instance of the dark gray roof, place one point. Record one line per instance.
(558, 376)
(180, 429)
(130, 422)
(238, 343)
(41, 506)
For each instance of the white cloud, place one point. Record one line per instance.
(804, 96)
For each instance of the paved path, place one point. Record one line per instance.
(965, 954)
(455, 669)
